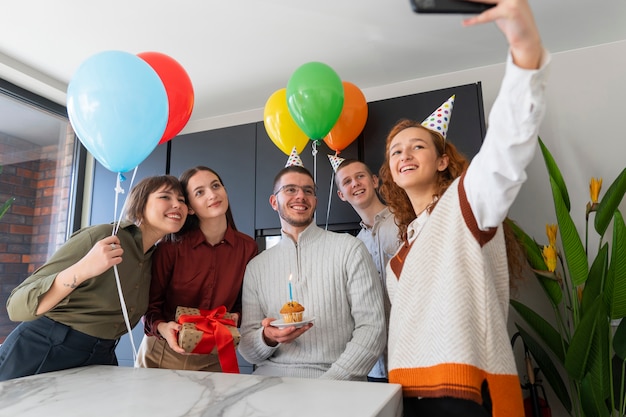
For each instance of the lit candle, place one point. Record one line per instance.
(290, 291)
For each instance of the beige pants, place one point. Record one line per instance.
(156, 353)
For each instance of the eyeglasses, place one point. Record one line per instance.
(291, 190)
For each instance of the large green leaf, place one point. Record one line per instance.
(531, 248)
(549, 336)
(609, 203)
(572, 245)
(546, 366)
(595, 281)
(552, 288)
(5, 206)
(617, 365)
(533, 255)
(555, 174)
(591, 400)
(615, 294)
(619, 340)
(598, 365)
(582, 339)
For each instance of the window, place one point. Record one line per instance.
(39, 156)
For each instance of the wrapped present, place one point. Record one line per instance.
(209, 331)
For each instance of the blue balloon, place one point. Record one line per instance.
(117, 105)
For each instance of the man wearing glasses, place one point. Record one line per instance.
(331, 274)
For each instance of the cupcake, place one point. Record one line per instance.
(292, 312)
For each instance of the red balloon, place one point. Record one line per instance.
(179, 91)
(351, 120)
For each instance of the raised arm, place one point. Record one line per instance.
(515, 20)
(497, 172)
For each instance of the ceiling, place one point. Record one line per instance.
(238, 52)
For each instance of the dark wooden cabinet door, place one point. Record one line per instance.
(231, 153)
(270, 160)
(467, 124)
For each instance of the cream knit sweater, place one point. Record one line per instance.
(448, 325)
(336, 281)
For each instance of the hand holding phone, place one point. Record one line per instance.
(449, 6)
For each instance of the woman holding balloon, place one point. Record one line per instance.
(70, 308)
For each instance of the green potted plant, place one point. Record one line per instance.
(588, 344)
(5, 207)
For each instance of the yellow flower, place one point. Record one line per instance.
(551, 230)
(594, 189)
(549, 256)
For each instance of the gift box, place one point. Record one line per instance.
(209, 331)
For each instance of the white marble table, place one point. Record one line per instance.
(122, 391)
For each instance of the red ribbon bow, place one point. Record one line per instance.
(213, 324)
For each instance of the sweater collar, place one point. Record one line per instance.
(311, 233)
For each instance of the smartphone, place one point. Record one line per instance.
(448, 6)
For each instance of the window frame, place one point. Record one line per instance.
(79, 160)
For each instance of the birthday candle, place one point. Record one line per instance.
(290, 291)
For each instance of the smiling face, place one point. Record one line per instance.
(165, 212)
(296, 212)
(207, 196)
(414, 162)
(356, 185)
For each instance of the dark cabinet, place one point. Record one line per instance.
(231, 153)
(467, 124)
(270, 160)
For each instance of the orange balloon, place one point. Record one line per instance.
(280, 126)
(351, 120)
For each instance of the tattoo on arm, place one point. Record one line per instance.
(72, 285)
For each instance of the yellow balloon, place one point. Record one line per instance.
(280, 126)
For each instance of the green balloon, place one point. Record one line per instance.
(315, 99)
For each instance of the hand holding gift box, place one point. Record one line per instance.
(209, 331)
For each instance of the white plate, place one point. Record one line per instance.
(281, 324)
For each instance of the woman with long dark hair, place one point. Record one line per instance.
(202, 267)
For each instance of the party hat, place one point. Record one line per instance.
(440, 118)
(294, 159)
(335, 161)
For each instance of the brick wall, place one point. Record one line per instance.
(35, 225)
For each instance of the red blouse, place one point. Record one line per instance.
(190, 272)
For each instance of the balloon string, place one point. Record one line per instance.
(125, 312)
(314, 152)
(120, 190)
(330, 197)
(116, 225)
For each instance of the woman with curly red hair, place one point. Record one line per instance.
(449, 283)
